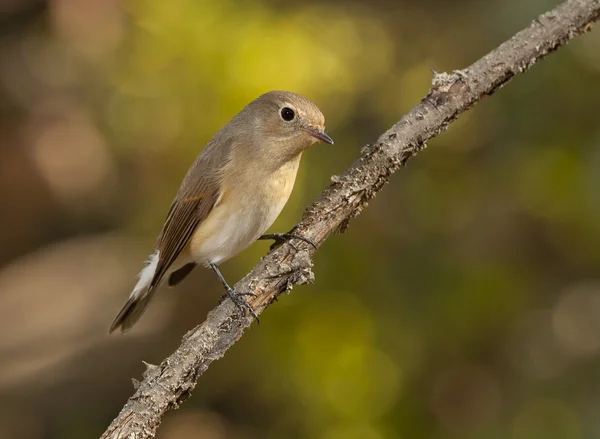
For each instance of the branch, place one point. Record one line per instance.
(165, 386)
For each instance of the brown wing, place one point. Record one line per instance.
(195, 199)
(184, 217)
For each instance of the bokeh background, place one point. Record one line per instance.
(463, 303)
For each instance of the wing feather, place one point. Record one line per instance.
(194, 201)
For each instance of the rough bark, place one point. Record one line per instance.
(165, 386)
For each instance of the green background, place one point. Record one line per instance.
(464, 302)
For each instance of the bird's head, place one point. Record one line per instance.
(288, 122)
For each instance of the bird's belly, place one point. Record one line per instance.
(233, 226)
(245, 212)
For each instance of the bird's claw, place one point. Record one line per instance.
(280, 238)
(241, 302)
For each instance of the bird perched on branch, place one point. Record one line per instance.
(231, 195)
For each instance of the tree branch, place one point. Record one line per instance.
(165, 386)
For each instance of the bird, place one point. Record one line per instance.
(230, 196)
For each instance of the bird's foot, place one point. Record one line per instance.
(237, 298)
(241, 302)
(280, 238)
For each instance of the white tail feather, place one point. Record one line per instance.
(139, 298)
(146, 275)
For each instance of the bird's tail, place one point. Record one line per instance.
(139, 299)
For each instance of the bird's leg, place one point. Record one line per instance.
(237, 298)
(280, 238)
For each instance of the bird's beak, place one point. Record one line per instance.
(319, 135)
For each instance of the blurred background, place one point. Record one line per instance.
(463, 303)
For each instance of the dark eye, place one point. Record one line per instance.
(287, 114)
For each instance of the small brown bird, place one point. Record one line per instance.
(231, 195)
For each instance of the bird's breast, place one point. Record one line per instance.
(248, 207)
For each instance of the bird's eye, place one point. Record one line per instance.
(287, 114)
